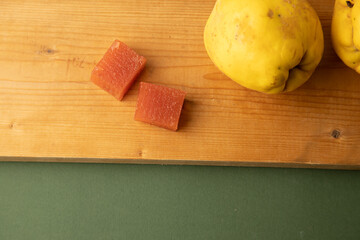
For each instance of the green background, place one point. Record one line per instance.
(118, 201)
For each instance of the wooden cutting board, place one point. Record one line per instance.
(49, 108)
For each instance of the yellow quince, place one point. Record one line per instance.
(345, 32)
(271, 46)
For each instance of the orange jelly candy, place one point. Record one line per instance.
(159, 105)
(118, 69)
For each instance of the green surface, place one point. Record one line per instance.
(97, 201)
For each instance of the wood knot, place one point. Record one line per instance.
(46, 51)
(140, 153)
(336, 133)
(13, 125)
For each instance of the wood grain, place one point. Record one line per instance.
(49, 108)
